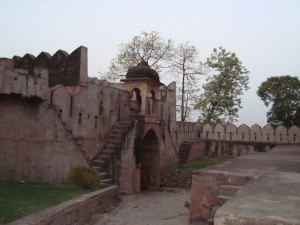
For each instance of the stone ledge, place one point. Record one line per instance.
(76, 211)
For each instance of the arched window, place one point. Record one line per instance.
(151, 103)
(135, 101)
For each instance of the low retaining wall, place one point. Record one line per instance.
(77, 211)
(175, 179)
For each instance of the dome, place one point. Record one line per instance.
(142, 70)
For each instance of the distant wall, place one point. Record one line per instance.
(254, 133)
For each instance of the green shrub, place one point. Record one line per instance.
(84, 177)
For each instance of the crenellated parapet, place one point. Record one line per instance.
(68, 69)
(31, 76)
(255, 133)
(24, 76)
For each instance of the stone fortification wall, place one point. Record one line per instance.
(34, 145)
(254, 133)
(48, 127)
(168, 141)
(186, 131)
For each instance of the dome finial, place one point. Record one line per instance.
(143, 63)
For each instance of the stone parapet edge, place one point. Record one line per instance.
(76, 211)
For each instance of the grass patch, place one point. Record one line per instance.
(21, 199)
(199, 163)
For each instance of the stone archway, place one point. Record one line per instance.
(135, 101)
(149, 162)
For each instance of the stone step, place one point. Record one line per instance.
(221, 199)
(104, 175)
(122, 126)
(116, 136)
(184, 149)
(126, 122)
(210, 222)
(100, 163)
(238, 180)
(213, 211)
(183, 153)
(185, 145)
(108, 152)
(114, 141)
(102, 157)
(183, 158)
(119, 131)
(106, 181)
(228, 190)
(112, 146)
(98, 168)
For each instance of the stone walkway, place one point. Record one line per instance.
(150, 208)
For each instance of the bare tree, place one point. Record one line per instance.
(149, 47)
(184, 63)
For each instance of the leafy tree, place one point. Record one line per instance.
(184, 62)
(282, 93)
(149, 47)
(221, 101)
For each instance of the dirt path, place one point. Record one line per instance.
(150, 208)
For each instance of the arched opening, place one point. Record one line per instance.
(149, 162)
(135, 101)
(151, 103)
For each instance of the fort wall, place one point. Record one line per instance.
(255, 133)
(52, 121)
(53, 117)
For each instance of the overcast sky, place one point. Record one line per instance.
(264, 34)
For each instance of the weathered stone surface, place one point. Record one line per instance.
(175, 179)
(76, 68)
(57, 68)
(27, 62)
(29, 137)
(209, 182)
(17, 61)
(271, 198)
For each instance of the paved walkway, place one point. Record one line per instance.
(150, 208)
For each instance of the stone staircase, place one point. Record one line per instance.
(184, 151)
(226, 191)
(102, 162)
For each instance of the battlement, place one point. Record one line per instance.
(31, 76)
(230, 132)
(61, 68)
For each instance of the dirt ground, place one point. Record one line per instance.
(150, 208)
